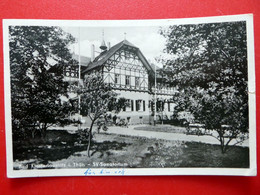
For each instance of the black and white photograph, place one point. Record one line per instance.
(145, 97)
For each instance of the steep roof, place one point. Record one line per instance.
(158, 70)
(105, 55)
(153, 67)
(84, 61)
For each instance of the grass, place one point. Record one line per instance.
(56, 145)
(64, 150)
(162, 128)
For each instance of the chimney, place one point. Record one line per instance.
(109, 45)
(92, 52)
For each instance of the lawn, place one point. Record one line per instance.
(61, 149)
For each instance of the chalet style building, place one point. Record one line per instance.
(127, 71)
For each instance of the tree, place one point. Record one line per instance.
(97, 99)
(208, 65)
(37, 57)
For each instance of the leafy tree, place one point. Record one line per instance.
(208, 65)
(37, 57)
(97, 99)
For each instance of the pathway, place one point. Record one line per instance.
(167, 136)
(130, 131)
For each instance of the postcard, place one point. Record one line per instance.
(130, 97)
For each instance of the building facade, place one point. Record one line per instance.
(132, 77)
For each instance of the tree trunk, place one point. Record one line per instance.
(226, 145)
(90, 137)
(43, 130)
(222, 145)
(222, 141)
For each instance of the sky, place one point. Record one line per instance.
(147, 39)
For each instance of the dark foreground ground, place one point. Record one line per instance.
(61, 149)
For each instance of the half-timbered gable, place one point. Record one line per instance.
(124, 67)
(124, 70)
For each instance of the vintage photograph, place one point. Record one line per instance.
(160, 97)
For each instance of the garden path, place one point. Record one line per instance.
(167, 136)
(131, 131)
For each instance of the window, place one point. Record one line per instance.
(124, 108)
(128, 102)
(127, 80)
(143, 105)
(127, 55)
(169, 106)
(128, 105)
(150, 105)
(158, 106)
(132, 105)
(162, 106)
(117, 77)
(138, 105)
(137, 82)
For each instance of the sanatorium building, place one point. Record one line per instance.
(131, 76)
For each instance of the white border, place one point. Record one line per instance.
(120, 23)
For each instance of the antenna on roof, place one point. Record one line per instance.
(103, 44)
